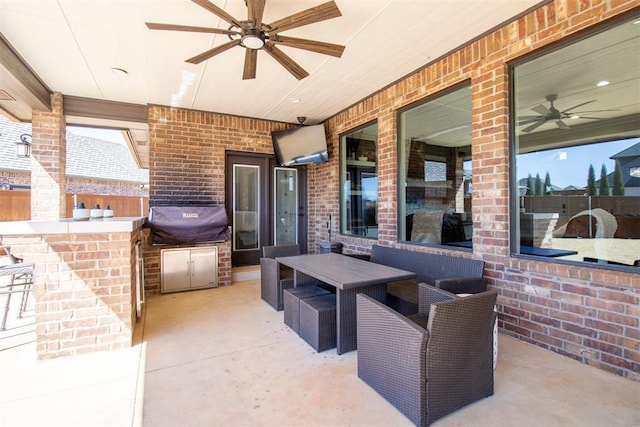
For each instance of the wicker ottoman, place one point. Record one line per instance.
(291, 298)
(318, 321)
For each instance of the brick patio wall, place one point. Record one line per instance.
(84, 290)
(588, 314)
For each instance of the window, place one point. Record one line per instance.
(359, 182)
(435, 170)
(576, 184)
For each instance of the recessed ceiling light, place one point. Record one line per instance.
(119, 72)
(602, 83)
(294, 100)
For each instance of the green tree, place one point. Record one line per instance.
(547, 184)
(591, 182)
(539, 189)
(618, 184)
(530, 187)
(604, 181)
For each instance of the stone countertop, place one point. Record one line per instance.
(70, 226)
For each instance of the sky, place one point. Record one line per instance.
(98, 133)
(570, 166)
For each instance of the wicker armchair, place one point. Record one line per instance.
(273, 276)
(428, 372)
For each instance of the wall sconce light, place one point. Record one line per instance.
(23, 147)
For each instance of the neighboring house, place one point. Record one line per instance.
(94, 166)
(629, 161)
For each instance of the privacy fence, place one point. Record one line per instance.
(16, 205)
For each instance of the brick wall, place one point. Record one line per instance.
(84, 290)
(588, 314)
(48, 162)
(187, 157)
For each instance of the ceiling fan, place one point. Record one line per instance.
(551, 113)
(254, 35)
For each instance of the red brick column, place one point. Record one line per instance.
(48, 162)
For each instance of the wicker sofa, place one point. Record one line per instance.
(455, 274)
(428, 372)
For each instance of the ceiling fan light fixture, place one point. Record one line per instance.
(252, 39)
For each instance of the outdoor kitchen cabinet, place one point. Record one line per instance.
(184, 269)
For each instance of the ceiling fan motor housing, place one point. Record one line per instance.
(252, 38)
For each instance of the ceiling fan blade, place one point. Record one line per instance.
(213, 52)
(576, 106)
(591, 111)
(590, 118)
(527, 121)
(218, 12)
(296, 70)
(533, 126)
(312, 45)
(529, 117)
(173, 27)
(256, 10)
(541, 109)
(562, 125)
(250, 64)
(315, 14)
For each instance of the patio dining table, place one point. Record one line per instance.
(348, 276)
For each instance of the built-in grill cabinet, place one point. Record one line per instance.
(193, 265)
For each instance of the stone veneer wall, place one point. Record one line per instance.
(84, 290)
(588, 314)
(187, 165)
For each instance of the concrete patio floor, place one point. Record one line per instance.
(223, 357)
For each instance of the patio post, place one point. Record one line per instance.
(49, 162)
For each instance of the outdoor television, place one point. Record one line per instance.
(300, 145)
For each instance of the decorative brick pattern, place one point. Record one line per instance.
(588, 314)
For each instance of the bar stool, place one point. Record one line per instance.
(318, 321)
(291, 299)
(15, 277)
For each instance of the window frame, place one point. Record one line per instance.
(400, 188)
(514, 201)
(342, 156)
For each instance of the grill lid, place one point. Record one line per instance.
(172, 225)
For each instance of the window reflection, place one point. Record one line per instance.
(359, 177)
(578, 152)
(435, 170)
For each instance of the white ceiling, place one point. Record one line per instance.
(72, 45)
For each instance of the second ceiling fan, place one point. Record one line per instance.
(551, 113)
(254, 35)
